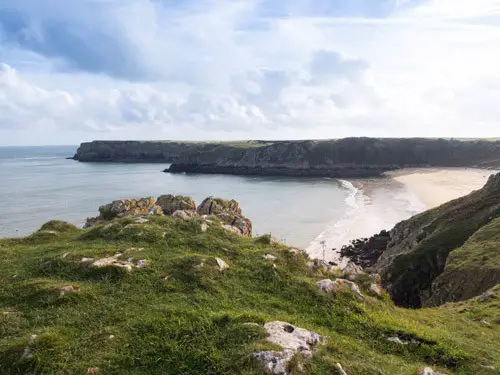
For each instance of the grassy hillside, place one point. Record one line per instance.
(171, 316)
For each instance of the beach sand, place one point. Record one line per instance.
(434, 187)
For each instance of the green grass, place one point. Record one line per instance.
(173, 318)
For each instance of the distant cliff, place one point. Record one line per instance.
(144, 151)
(349, 157)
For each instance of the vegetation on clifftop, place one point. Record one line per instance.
(171, 316)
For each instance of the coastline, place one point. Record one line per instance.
(378, 204)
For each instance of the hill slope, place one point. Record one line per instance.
(165, 305)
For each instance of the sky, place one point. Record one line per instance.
(74, 71)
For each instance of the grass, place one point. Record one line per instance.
(173, 317)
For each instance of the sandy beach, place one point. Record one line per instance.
(434, 187)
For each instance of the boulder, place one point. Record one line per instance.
(292, 340)
(170, 204)
(338, 285)
(242, 225)
(320, 265)
(221, 264)
(376, 289)
(125, 207)
(185, 214)
(351, 271)
(215, 206)
(269, 257)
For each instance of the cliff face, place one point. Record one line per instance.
(449, 253)
(138, 151)
(349, 157)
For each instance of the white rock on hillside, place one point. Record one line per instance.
(292, 340)
(330, 286)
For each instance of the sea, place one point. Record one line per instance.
(38, 184)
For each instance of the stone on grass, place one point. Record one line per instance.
(429, 371)
(486, 296)
(93, 371)
(351, 271)
(185, 215)
(204, 227)
(377, 289)
(269, 257)
(292, 340)
(340, 370)
(337, 285)
(69, 289)
(221, 264)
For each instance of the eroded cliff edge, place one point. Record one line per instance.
(449, 253)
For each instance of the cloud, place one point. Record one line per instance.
(248, 68)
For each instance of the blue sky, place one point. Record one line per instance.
(234, 69)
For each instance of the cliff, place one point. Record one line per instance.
(145, 151)
(349, 157)
(449, 253)
(167, 287)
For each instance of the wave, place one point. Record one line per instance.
(335, 234)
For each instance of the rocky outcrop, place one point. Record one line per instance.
(343, 158)
(229, 213)
(365, 252)
(125, 207)
(225, 212)
(292, 340)
(170, 203)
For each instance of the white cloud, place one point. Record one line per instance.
(222, 70)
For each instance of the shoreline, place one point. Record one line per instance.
(379, 204)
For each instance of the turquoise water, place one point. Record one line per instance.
(37, 184)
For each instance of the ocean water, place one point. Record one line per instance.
(38, 184)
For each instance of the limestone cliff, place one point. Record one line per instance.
(349, 157)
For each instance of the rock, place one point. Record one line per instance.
(93, 371)
(397, 340)
(86, 259)
(429, 371)
(296, 251)
(114, 261)
(239, 224)
(340, 370)
(27, 350)
(125, 207)
(330, 286)
(318, 264)
(215, 206)
(141, 220)
(185, 215)
(204, 227)
(377, 289)
(486, 323)
(365, 252)
(485, 297)
(375, 278)
(351, 271)
(269, 257)
(69, 289)
(170, 204)
(292, 340)
(222, 265)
